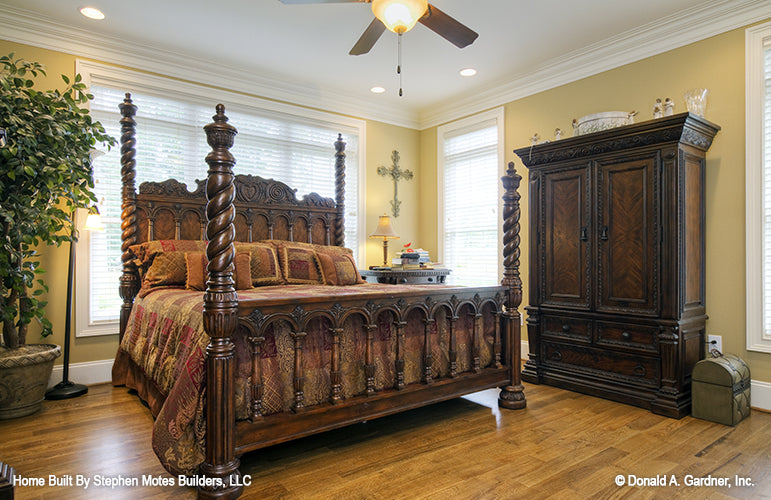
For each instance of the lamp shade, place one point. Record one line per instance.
(384, 229)
(399, 16)
(93, 222)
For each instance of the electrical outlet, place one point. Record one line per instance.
(714, 342)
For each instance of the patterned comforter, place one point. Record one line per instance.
(162, 357)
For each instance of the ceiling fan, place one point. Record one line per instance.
(400, 16)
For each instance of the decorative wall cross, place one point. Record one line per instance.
(396, 174)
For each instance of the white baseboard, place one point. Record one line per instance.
(88, 373)
(761, 395)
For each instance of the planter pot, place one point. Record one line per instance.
(24, 374)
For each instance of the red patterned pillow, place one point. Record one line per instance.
(298, 263)
(196, 263)
(338, 269)
(265, 269)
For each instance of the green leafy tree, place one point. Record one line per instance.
(45, 175)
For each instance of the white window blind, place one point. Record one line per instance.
(171, 143)
(758, 186)
(469, 211)
(766, 160)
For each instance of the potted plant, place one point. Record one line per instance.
(46, 138)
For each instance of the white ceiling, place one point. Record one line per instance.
(300, 52)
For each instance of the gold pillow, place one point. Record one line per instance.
(167, 268)
(145, 252)
(338, 269)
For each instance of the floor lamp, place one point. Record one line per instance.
(67, 389)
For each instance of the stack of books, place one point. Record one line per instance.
(412, 259)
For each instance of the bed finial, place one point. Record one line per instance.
(220, 134)
(339, 229)
(512, 396)
(129, 280)
(220, 314)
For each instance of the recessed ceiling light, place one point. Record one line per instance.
(377, 90)
(468, 72)
(92, 13)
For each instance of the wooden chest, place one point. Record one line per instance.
(721, 389)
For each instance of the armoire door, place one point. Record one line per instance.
(565, 237)
(627, 231)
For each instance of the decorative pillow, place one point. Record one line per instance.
(298, 263)
(338, 269)
(243, 273)
(333, 250)
(167, 268)
(146, 252)
(265, 268)
(196, 263)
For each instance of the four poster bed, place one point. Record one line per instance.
(283, 338)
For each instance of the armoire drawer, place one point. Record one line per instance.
(611, 365)
(567, 328)
(629, 337)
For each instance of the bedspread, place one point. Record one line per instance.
(162, 356)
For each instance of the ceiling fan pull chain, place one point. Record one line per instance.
(399, 63)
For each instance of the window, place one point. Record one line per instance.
(470, 154)
(758, 187)
(283, 142)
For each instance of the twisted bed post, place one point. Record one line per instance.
(339, 236)
(129, 280)
(512, 396)
(220, 315)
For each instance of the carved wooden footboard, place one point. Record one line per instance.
(243, 208)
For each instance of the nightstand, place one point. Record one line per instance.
(406, 276)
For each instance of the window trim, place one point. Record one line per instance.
(470, 122)
(755, 38)
(136, 81)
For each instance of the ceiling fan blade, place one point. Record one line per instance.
(448, 28)
(320, 1)
(368, 38)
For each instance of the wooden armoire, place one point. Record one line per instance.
(617, 261)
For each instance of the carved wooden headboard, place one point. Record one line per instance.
(266, 209)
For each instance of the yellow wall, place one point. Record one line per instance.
(717, 64)
(381, 140)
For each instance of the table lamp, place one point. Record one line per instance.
(384, 230)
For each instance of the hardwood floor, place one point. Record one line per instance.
(564, 445)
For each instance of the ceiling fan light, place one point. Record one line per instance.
(399, 16)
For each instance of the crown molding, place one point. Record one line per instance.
(689, 26)
(22, 26)
(686, 27)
